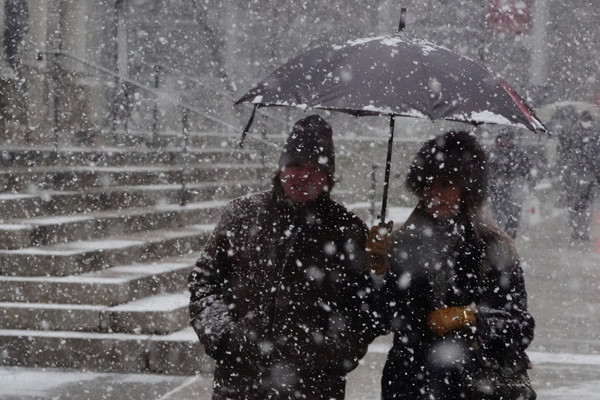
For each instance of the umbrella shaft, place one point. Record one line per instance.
(388, 165)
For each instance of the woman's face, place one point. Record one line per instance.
(302, 183)
(442, 200)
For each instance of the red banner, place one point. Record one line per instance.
(510, 16)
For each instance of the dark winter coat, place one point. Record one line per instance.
(277, 299)
(437, 265)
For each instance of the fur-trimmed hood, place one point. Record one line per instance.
(455, 157)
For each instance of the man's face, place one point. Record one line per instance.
(303, 182)
(442, 200)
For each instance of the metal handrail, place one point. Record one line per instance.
(225, 94)
(173, 100)
(185, 108)
(195, 80)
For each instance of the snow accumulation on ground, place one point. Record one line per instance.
(163, 302)
(536, 357)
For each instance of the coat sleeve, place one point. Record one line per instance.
(368, 322)
(347, 345)
(389, 302)
(209, 285)
(503, 320)
(401, 300)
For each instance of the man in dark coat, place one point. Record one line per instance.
(278, 298)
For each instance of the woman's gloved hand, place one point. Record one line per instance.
(379, 247)
(444, 320)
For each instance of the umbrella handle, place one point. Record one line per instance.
(388, 166)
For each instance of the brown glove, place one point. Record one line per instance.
(444, 320)
(379, 247)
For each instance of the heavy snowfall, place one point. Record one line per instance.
(210, 199)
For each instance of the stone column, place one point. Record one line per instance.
(5, 69)
(121, 39)
(37, 74)
(78, 81)
(75, 34)
(13, 104)
(119, 105)
(538, 68)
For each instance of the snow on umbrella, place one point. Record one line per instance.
(393, 75)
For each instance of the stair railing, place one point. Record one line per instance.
(122, 81)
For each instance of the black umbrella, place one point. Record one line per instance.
(393, 75)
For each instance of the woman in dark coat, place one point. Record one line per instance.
(454, 296)
(278, 298)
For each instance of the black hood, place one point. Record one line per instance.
(311, 141)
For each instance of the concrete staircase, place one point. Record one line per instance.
(95, 250)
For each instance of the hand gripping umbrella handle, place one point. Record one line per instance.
(388, 165)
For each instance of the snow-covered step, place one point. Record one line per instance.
(159, 314)
(56, 202)
(43, 231)
(177, 353)
(91, 255)
(112, 286)
(23, 156)
(83, 177)
(16, 205)
(210, 139)
(48, 317)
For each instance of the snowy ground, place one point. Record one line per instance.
(563, 281)
(555, 377)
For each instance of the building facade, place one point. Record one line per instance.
(66, 64)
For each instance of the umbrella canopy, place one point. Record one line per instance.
(393, 75)
(396, 76)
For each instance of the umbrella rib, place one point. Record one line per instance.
(422, 69)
